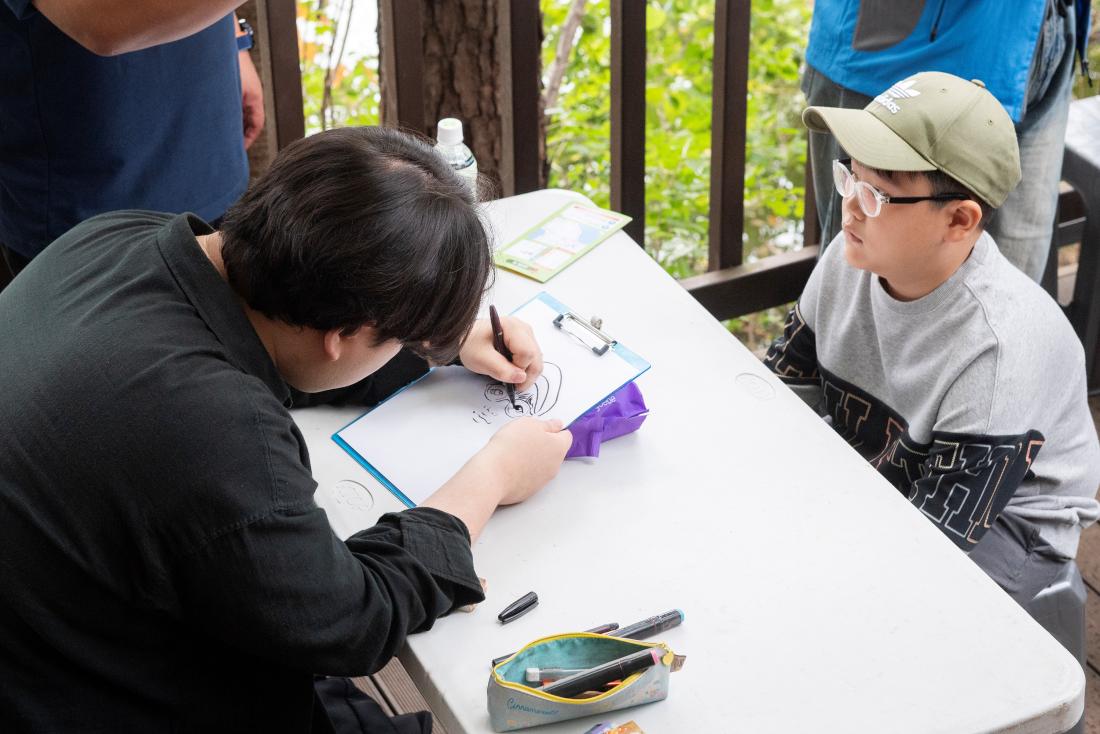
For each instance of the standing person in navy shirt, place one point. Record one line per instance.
(118, 106)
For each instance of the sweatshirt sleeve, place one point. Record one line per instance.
(793, 355)
(975, 462)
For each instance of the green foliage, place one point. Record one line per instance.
(680, 47)
(338, 88)
(679, 79)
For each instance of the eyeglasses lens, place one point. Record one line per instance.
(846, 185)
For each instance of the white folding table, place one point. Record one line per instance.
(817, 599)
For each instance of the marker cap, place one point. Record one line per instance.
(519, 607)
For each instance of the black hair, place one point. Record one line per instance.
(362, 226)
(941, 184)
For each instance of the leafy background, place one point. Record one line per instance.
(340, 87)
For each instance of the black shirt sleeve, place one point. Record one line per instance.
(284, 588)
(259, 568)
(394, 375)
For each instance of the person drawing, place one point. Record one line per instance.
(164, 560)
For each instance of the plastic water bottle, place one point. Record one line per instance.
(458, 156)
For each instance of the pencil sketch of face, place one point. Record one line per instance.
(536, 400)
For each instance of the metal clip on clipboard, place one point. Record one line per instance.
(586, 332)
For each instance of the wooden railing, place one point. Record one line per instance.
(730, 287)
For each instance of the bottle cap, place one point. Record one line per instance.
(449, 131)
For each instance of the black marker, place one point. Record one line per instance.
(500, 346)
(594, 678)
(602, 629)
(653, 625)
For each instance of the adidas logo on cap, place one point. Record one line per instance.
(901, 90)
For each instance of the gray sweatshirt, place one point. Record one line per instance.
(970, 400)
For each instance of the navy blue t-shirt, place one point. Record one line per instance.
(82, 134)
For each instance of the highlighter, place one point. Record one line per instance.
(652, 626)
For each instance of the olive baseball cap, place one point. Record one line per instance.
(930, 121)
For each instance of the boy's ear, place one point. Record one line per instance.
(332, 341)
(965, 218)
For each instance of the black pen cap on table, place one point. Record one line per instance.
(519, 607)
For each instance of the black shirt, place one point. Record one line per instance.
(163, 564)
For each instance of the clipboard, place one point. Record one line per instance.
(420, 436)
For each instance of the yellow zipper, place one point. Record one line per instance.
(629, 680)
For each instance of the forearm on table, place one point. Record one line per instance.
(111, 27)
(471, 495)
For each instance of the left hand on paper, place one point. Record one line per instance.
(478, 355)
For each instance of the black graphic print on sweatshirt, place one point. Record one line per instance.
(961, 482)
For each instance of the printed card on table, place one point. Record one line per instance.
(557, 241)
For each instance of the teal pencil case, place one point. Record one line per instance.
(515, 704)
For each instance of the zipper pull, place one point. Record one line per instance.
(936, 22)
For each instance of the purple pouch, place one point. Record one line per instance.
(621, 413)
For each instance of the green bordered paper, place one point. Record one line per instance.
(556, 242)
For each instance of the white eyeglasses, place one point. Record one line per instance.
(871, 199)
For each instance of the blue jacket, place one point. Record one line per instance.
(867, 45)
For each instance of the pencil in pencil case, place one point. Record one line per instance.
(515, 705)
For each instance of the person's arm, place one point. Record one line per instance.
(965, 480)
(983, 444)
(280, 585)
(111, 27)
(252, 97)
(284, 588)
(518, 461)
(793, 355)
(477, 355)
(793, 359)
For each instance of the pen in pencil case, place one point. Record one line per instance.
(594, 678)
(653, 625)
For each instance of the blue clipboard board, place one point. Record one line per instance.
(417, 438)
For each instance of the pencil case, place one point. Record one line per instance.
(514, 705)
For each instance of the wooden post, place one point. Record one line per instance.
(521, 119)
(727, 167)
(628, 62)
(280, 36)
(402, 64)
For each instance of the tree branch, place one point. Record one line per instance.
(561, 57)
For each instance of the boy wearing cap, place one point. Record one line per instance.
(944, 366)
